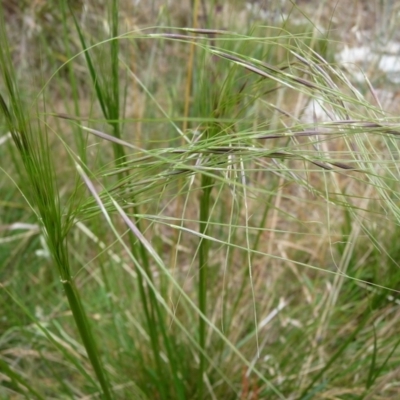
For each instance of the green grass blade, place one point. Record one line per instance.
(92, 70)
(19, 380)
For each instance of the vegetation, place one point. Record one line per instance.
(196, 207)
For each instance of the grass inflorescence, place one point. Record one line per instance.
(193, 212)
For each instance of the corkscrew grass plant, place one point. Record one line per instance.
(220, 244)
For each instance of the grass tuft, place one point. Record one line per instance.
(195, 209)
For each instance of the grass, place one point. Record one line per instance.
(175, 225)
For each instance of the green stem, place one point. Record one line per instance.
(148, 305)
(86, 334)
(155, 321)
(203, 267)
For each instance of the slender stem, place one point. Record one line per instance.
(203, 267)
(148, 306)
(85, 332)
(155, 321)
(189, 75)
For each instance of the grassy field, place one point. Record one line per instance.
(198, 201)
